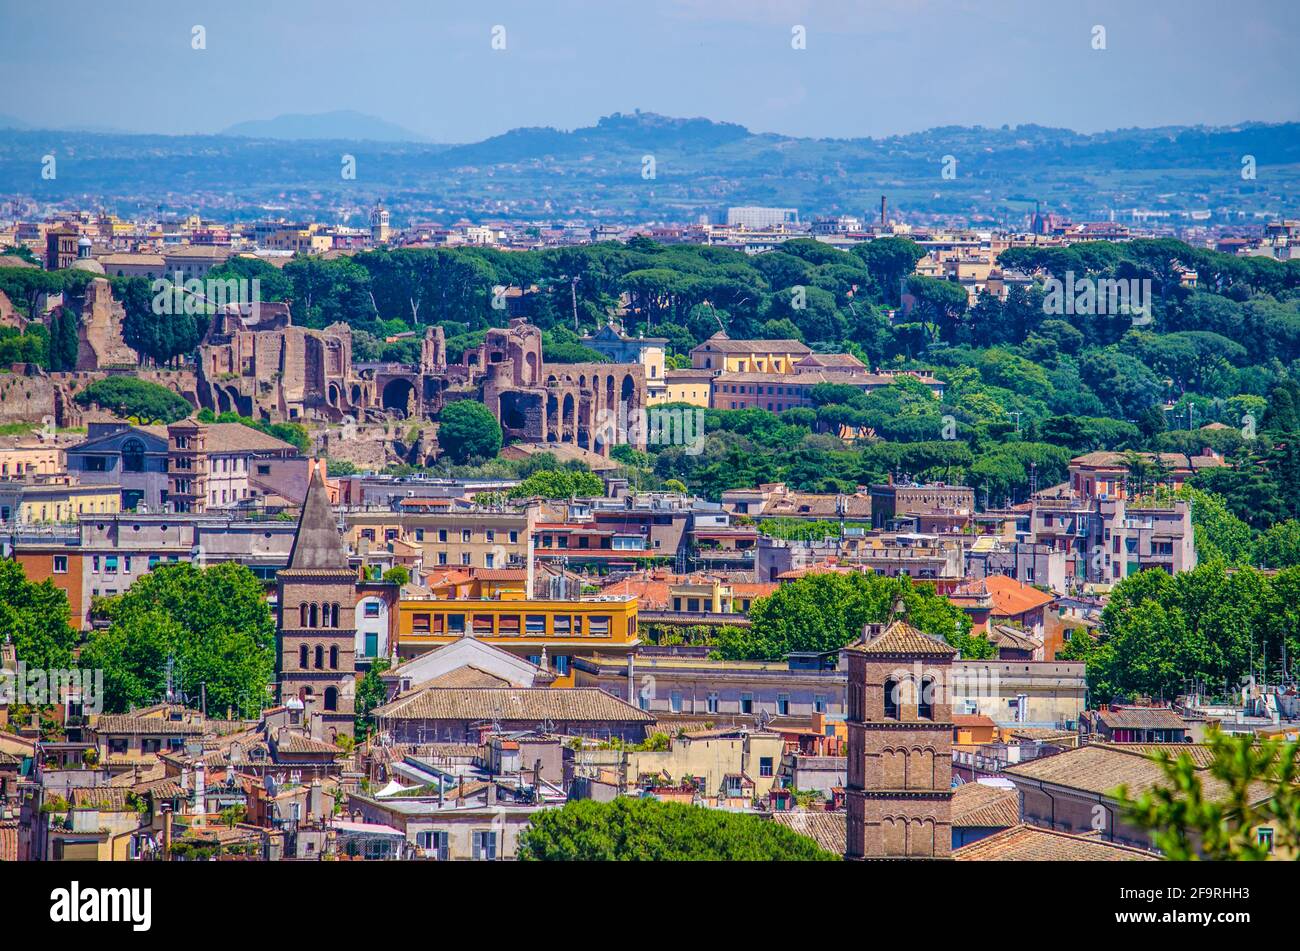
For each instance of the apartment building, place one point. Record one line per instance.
(221, 465)
(447, 536)
(543, 632)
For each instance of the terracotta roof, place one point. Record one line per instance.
(902, 638)
(236, 437)
(1003, 636)
(8, 840)
(1119, 460)
(972, 719)
(103, 798)
(1201, 754)
(981, 806)
(832, 360)
(1031, 844)
(501, 574)
(582, 704)
(1101, 769)
(827, 829)
(125, 723)
(291, 741)
(1010, 597)
(726, 345)
(1141, 718)
(466, 676)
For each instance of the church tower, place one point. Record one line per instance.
(899, 795)
(316, 635)
(380, 231)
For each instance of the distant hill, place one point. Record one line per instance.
(13, 122)
(343, 124)
(290, 165)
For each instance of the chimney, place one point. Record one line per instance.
(883, 207)
(185, 779)
(316, 800)
(167, 831)
(631, 679)
(199, 803)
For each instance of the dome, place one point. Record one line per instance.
(87, 264)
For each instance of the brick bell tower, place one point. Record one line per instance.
(316, 635)
(899, 795)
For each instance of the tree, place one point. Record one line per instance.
(646, 830)
(212, 625)
(468, 430)
(64, 339)
(35, 618)
(559, 484)
(1279, 546)
(1215, 813)
(825, 612)
(129, 396)
(371, 692)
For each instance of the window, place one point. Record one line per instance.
(1264, 836)
(372, 609)
(110, 564)
(819, 703)
(60, 564)
(514, 538)
(765, 766)
(482, 624)
(464, 559)
(485, 846)
(562, 625)
(783, 704)
(442, 535)
(925, 702)
(746, 703)
(488, 560)
(535, 624)
(891, 699)
(117, 745)
(455, 624)
(465, 535)
(489, 536)
(598, 626)
(561, 664)
(675, 701)
(150, 745)
(712, 703)
(508, 625)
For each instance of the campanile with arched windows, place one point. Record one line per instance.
(316, 638)
(899, 791)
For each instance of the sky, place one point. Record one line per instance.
(868, 68)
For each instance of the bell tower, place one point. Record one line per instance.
(316, 634)
(899, 795)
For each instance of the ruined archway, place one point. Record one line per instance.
(398, 395)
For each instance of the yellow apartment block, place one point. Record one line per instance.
(473, 538)
(600, 627)
(65, 503)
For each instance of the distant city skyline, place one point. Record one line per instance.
(869, 68)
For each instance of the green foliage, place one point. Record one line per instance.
(371, 693)
(129, 396)
(35, 618)
(295, 434)
(1255, 786)
(1161, 632)
(397, 575)
(559, 484)
(1279, 546)
(467, 430)
(825, 612)
(643, 830)
(213, 624)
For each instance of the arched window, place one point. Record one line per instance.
(331, 698)
(334, 615)
(302, 656)
(303, 615)
(320, 657)
(891, 699)
(925, 702)
(334, 658)
(314, 617)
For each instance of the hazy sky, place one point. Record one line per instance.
(873, 67)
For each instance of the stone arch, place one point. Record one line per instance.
(568, 424)
(552, 417)
(893, 768)
(609, 392)
(627, 394)
(331, 698)
(356, 394)
(398, 395)
(893, 835)
(332, 394)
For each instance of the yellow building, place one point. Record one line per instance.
(603, 627)
(687, 386)
(64, 502)
(720, 352)
(18, 460)
(448, 537)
